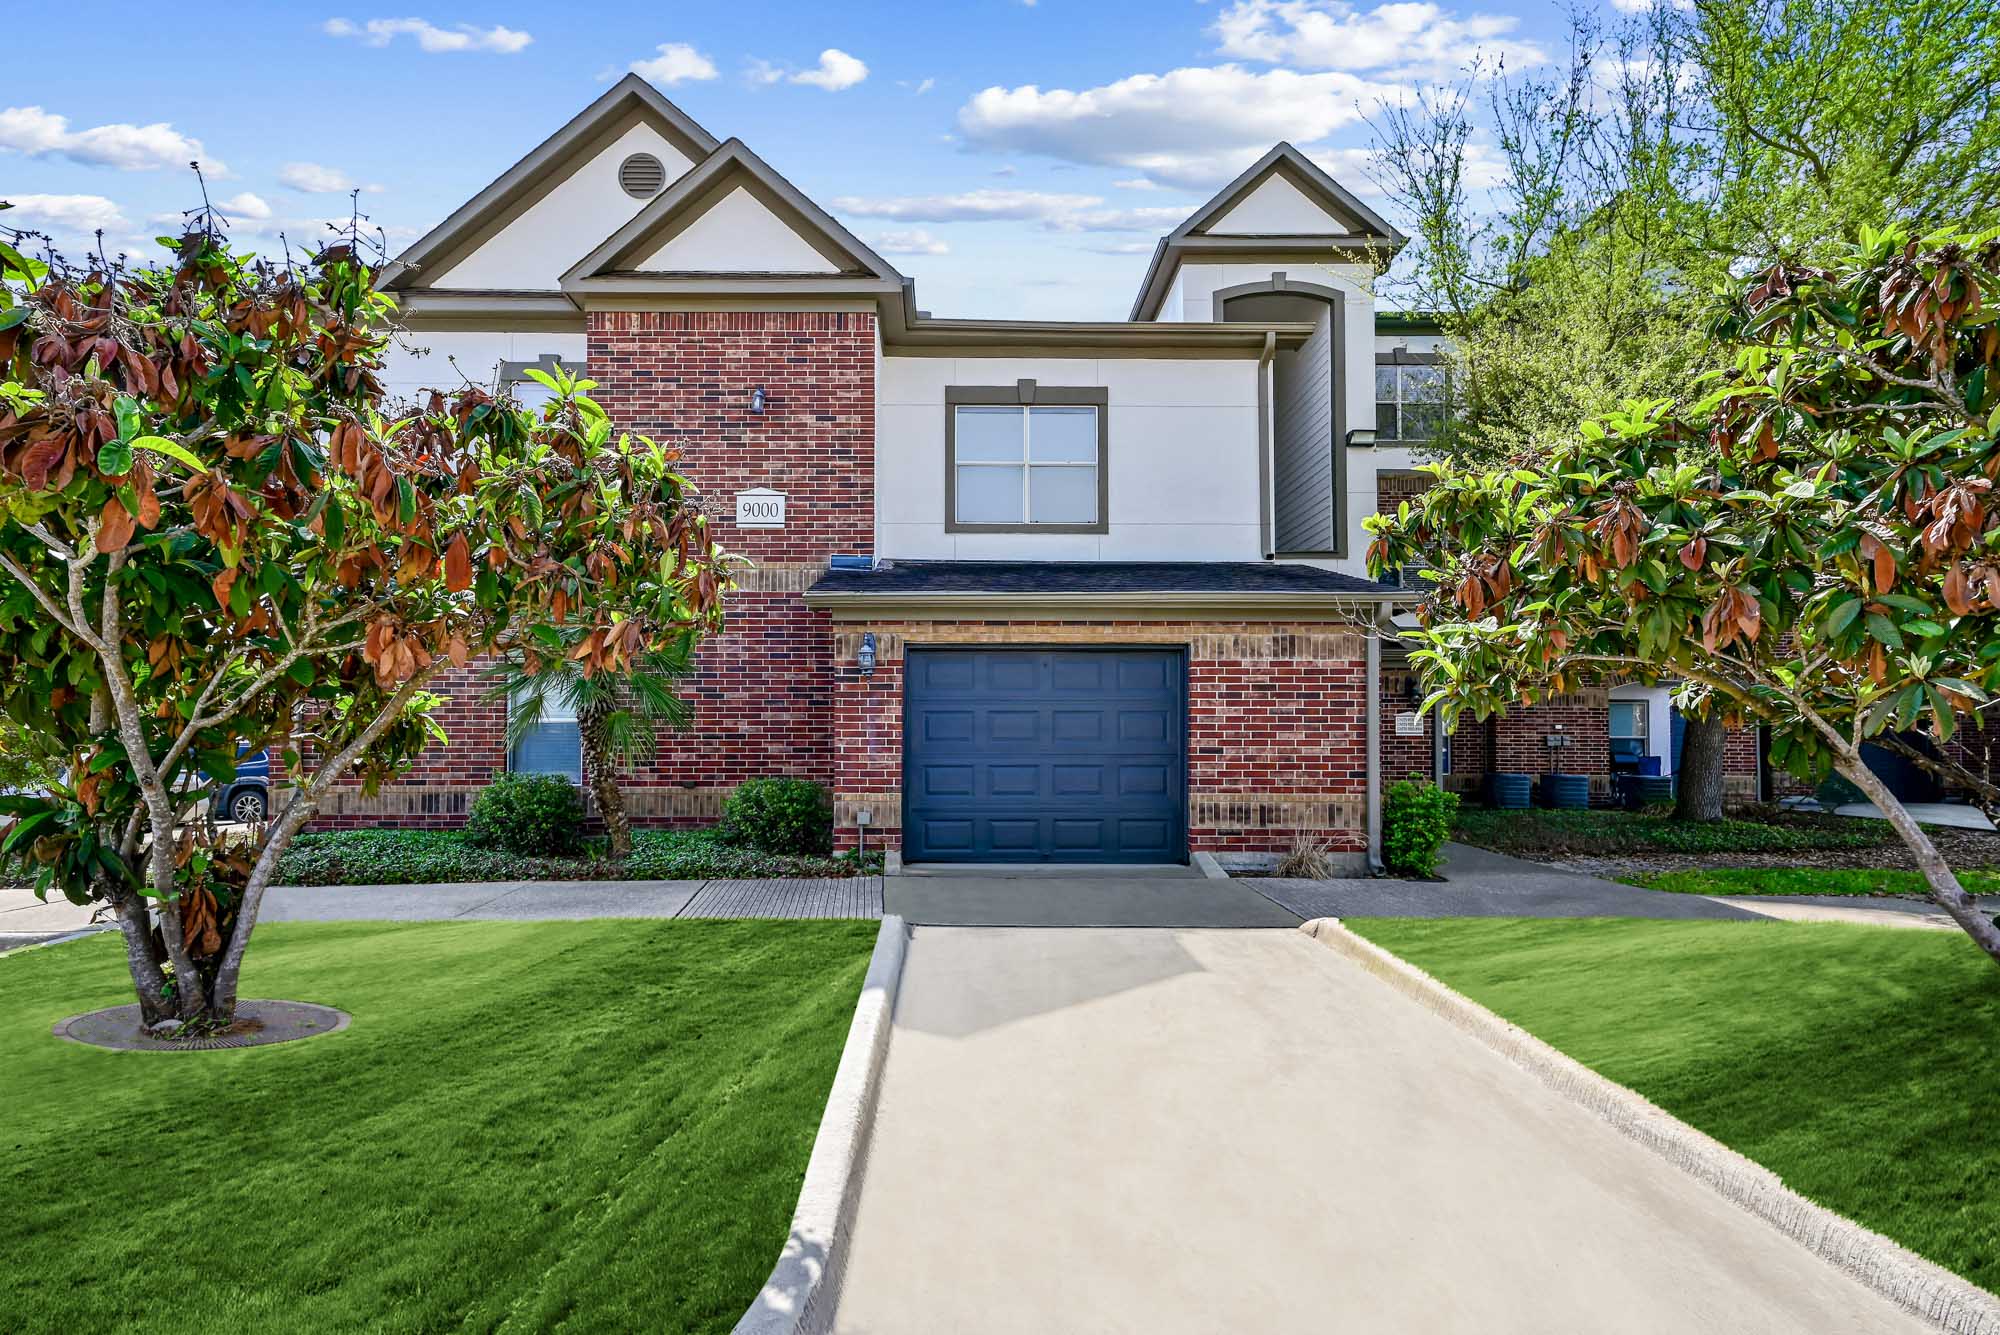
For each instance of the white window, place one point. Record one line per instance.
(1024, 465)
(553, 746)
(1409, 401)
(1628, 720)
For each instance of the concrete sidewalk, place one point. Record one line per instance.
(1192, 1131)
(1479, 883)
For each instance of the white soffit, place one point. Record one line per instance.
(532, 252)
(737, 234)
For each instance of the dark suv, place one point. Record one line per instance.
(247, 797)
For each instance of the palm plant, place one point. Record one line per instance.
(618, 715)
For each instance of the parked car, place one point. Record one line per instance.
(247, 797)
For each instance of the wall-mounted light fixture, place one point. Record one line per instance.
(757, 397)
(1413, 690)
(866, 658)
(1360, 437)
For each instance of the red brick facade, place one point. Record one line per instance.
(1276, 745)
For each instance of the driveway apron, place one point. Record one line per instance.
(1185, 1130)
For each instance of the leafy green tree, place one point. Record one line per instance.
(1570, 222)
(216, 533)
(1811, 545)
(618, 718)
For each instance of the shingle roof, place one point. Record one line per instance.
(1106, 577)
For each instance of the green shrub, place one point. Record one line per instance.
(1416, 820)
(793, 816)
(539, 814)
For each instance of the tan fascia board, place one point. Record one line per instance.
(626, 291)
(420, 309)
(849, 607)
(700, 189)
(1252, 250)
(629, 100)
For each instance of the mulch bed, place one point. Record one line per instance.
(258, 1023)
(1961, 848)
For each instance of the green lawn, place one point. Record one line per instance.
(1538, 832)
(1803, 881)
(601, 1125)
(419, 857)
(1856, 1062)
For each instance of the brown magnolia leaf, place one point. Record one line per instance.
(1693, 553)
(458, 565)
(115, 526)
(455, 649)
(224, 581)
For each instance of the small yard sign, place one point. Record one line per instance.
(760, 507)
(1409, 723)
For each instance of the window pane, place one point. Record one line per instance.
(531, 394)
(988, 494)
(1421, 421)
(1063, 495)
(1423, 384)
(1385, 422)
(1628, 718)
(552, 748)
(1385, 384)
(1062, 435)
(992, 434)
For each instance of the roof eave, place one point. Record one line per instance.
(1156, 606)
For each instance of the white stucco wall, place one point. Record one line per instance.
(1659, 720)
(1277, 208)
(1182, 459)
(1196, 285)
(738, 235)
(425, 360)
(531, 253)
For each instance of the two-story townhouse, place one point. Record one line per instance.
(1019, 590)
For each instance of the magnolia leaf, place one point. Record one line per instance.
(172, 449)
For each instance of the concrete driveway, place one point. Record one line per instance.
(1175, 1130)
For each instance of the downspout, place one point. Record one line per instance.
(1373, 723)
(1266, 468)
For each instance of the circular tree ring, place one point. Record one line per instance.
(258, 1023)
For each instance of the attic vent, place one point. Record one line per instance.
(641, 175)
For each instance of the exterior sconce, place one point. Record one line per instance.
(866, 658)
(757, 397)
(1413, 690)
(1360, 437)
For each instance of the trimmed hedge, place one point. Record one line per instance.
(1416, 820)
(792, 816)
(537, 814)
(417, 857)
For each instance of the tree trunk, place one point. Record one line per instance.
(600, 775)
(1698, 794)
(149, 981)
(1945, 891)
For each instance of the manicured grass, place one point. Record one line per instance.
(1804, 881)
(601, 1125)
(1540, 832)
(1855, 1062)
(418, 857)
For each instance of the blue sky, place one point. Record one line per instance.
(1018, 159)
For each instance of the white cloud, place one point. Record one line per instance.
(919, 88)
(1410, 39)
(1137, 183)
(62, 213)
(911, 241)
(836, 70)
(131, 148)
(1123, 247)
(246, 205)
(1056, 212)
(675, 63)
(314, 179)
(1187, 127)
(762, 73)
(430, 37)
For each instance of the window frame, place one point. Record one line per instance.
(1025, 395)
(1644, 709)
(1401, 359)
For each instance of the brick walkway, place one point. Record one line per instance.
(834, 897)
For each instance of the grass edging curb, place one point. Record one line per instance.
(804, 1287)
(1919, 1286)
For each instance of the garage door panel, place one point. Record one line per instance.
(1072, 755)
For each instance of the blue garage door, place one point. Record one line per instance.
(1045, 755)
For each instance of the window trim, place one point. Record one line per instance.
(567, 718)
(1400, 357)
(1027, 394)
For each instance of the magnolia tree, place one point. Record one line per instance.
(1812, 545)
(217, 536)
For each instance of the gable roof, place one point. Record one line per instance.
(626, 102)
(731, 167)
(1372, 235)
